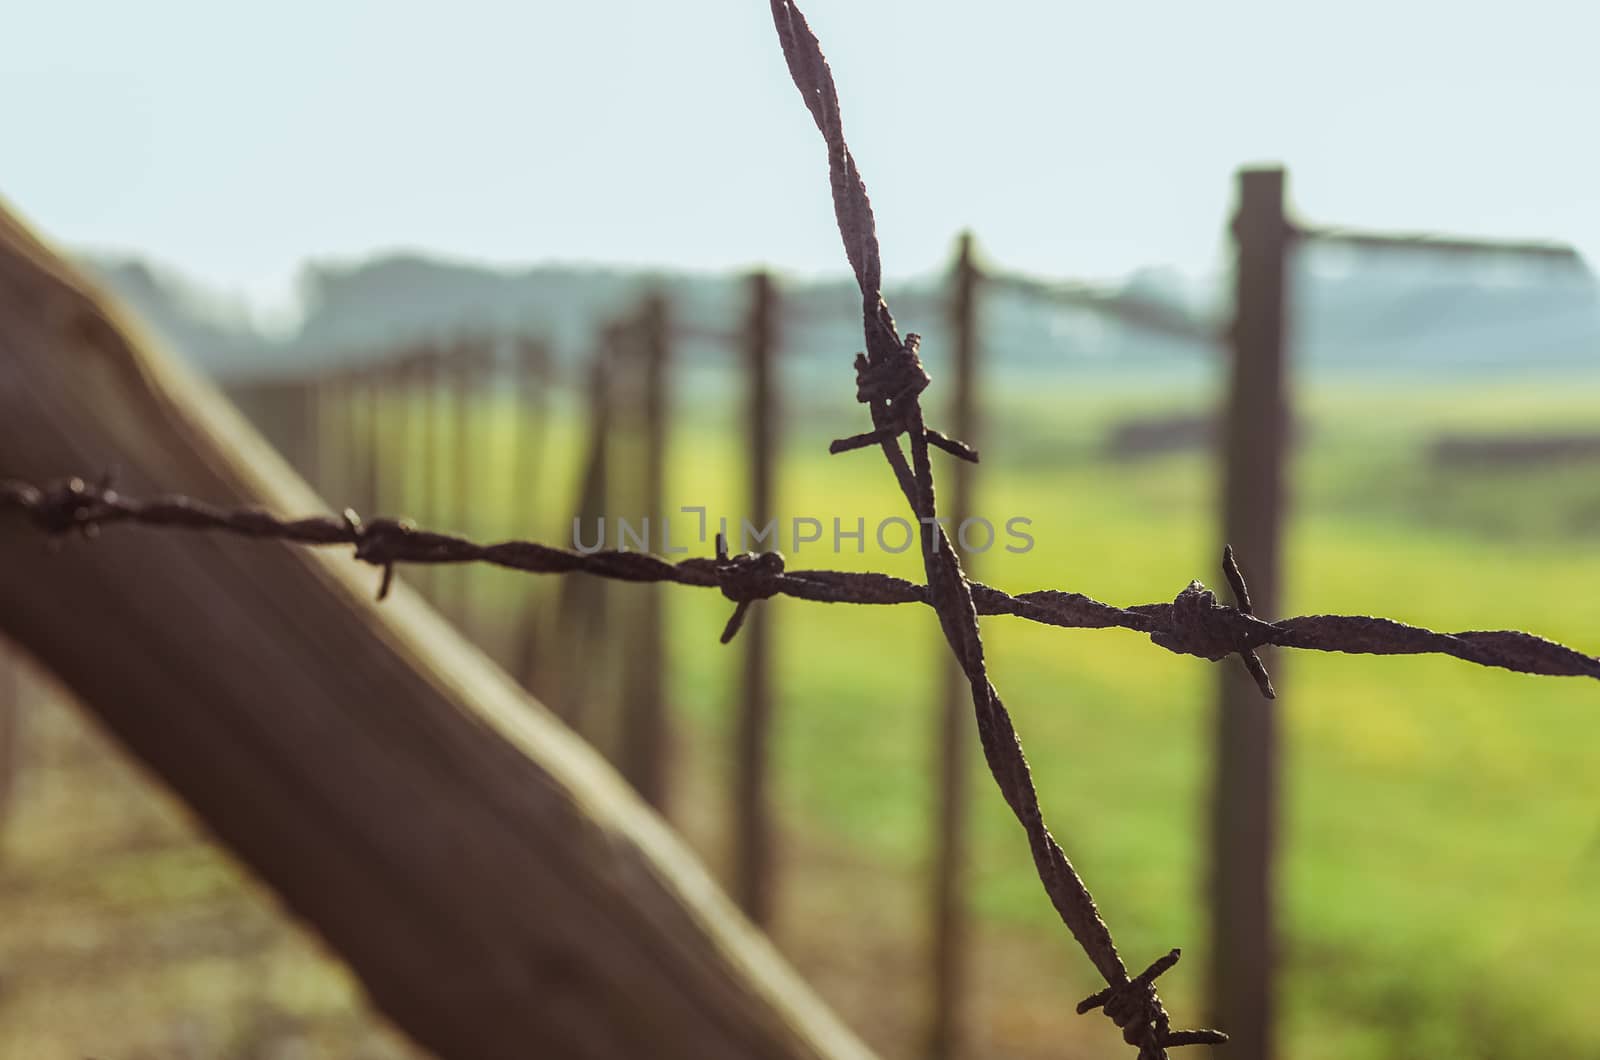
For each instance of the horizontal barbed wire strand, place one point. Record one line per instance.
(890, 380)
(1195, 623)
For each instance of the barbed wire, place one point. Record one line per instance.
(890, 380)
(1194, 623)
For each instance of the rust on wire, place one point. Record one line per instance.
(1213, 631)
(1194, 623)
(890, 380)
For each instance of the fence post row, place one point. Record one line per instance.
(1256, 438)
(644, 751)
(949, 898)
(753, 876)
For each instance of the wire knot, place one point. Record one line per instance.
(1199, 625)
(897, 378)
(67, 505)
(1135, 1007)
(744, 579)
(382, 543)
(894, 383)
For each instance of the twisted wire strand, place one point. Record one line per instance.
(73, 505)
(1193, 623)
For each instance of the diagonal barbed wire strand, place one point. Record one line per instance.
(890, 380)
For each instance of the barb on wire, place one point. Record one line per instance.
(1194, 623)
(75, 506)
(890, 380)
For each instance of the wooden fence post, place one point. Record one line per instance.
(431, 502)
(467, 363)
(1256, 439)
(10, 732)
(328, 397)
(385, 433)
(499, 891)
(950, 920)
(532, 368)
(581, 603)
(531, 397)
(644, 752)
(753, 884)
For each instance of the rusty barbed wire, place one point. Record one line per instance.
(890, 380)
(1194, 623)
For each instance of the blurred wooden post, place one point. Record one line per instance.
(385, 433)
(950, 920)
(1256, 437)
(367, 397)
(430, 500)
(286, 412)
(644, 752)
(467, 362)
(331, 453)
(753, 878)
(352, 468)
(581, 603)
(532, 370)
(10, 732)
(498, 889)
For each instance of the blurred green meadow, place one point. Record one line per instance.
(1440, 857)
(1441, 851)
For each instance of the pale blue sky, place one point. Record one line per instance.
(234, 142)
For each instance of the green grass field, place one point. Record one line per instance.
(1441, 857)
(1441, 850)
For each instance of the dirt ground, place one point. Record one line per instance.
(125, 934)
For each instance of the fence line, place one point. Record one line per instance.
(343, 446)
(341, 441)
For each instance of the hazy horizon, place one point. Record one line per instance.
(1080, 141)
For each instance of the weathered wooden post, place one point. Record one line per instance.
(498, 889)
(431, 503)
(950, 920)
(10, 730)
(581, 603)
(468, 363)
(644, 750)
(753, 877)
(327, 399)
(531, 367)
(285, 411)
(385, 439)
(1256, 439)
